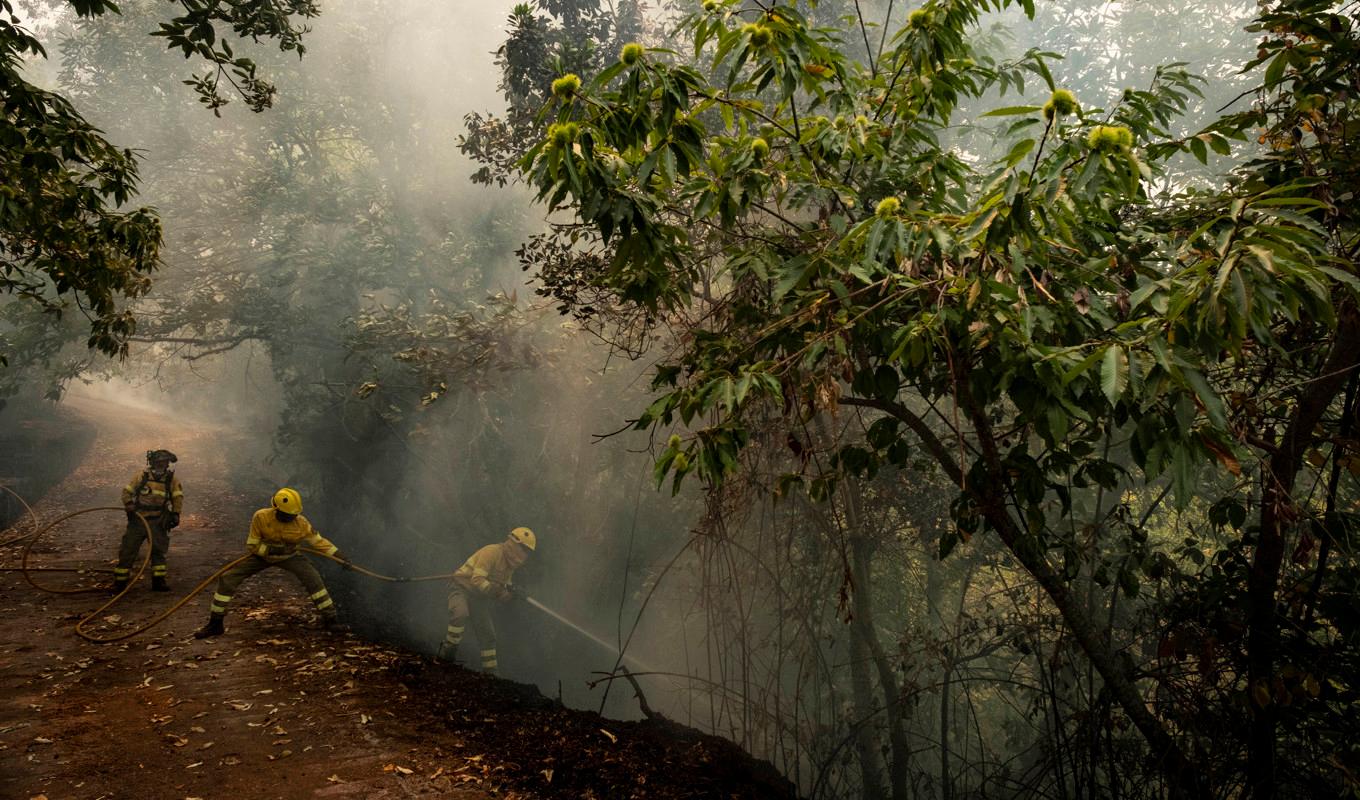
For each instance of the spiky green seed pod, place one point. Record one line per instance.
(562, 134)
(760, 35)
(1109, 137)
(1060, 104)
(710, 6)
(631, 54)
(564, 87)
(681, 463)
(919, 19)
(673, 442)
(760, 148)
(887, 207)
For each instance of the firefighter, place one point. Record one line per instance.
(482, 578)
(156, 495)
(275, 535)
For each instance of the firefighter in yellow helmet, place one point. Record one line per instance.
(275, 535)
(157, 496)
(484, 577)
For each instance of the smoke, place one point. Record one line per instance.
(350, 198)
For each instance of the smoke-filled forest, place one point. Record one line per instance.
(870, 399)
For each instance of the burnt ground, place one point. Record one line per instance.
(276, 708)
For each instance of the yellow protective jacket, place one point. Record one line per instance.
(489, 569)
(268, 532)
(148, 495)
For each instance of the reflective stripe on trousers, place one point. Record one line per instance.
(322, 599)
(297, 565)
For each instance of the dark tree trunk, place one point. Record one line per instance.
(1277, 515)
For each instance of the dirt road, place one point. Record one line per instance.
(276, 708)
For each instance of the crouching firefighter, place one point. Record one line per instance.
(483, 578)
(156, 496)
(275, 535)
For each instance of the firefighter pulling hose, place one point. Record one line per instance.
(278, 536)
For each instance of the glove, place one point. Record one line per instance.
(517, 593)
(504, 593)
(132, 516)
(345, 563)
(172, 520)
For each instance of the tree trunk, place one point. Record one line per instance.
(866, 744)
(861, 553)
(1277, 515)
(1115, 669)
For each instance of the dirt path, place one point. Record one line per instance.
(276, 708)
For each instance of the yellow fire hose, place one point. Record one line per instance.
(38, 532)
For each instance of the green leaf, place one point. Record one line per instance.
(1201, 152)
(1081, 366)
(1213, 404)
(1011, 111)
(1114, 373)
(1019, 151)
(1276, 69)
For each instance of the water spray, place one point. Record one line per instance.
(592, 637)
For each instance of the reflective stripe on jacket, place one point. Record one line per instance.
(151, 495)
(267, 530)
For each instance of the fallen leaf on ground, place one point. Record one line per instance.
(612, 737)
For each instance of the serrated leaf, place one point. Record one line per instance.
(1114, 373)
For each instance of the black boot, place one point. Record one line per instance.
(158, 584)
(448, 653)
(213, 628)
(117, 586)
(333, 625)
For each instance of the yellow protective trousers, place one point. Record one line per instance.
(299, 566)
(132, 544)
(463, 608)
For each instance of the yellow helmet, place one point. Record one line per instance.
(289, 501)
(525, 537)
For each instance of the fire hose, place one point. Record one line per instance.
(39, 531)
